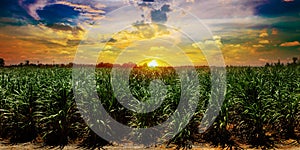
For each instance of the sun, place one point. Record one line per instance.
(152, 64)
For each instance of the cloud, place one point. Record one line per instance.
(84, 8)
(58, 13)
(274, 31)
(157, 48)
(65, 53)
(264, 60)
(63, 26)
(264, 34)
(32, 8)
(129, 37)
(258, 46)
(218, 9)
(11, 9)
(55, 27)
(90, 11)
(274, 8)
(64, 11)
(160, 16)
(264, 42)
(234, 45)
(290, 44)
(38, 43)
(288, 1)
(147, 31)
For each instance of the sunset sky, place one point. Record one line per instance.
(248, 32)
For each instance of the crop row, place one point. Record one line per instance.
(261, 107)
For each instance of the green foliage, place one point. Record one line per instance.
(261, 106)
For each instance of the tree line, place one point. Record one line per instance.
(295, 61)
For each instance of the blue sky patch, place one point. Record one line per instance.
(58, 14)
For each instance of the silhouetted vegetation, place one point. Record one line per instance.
(2, 62)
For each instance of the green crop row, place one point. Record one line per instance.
(261, 107)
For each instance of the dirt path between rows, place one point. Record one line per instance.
(31, 146)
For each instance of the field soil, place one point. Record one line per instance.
(30, 146)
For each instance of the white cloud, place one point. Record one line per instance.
(221, 8)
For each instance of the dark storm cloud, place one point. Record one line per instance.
(11, 13)
(289, 30)
(57, 14)
(5, 21)
(10, 7)
(273, 8)
(110, 40)
(160, 16)
(64, 27)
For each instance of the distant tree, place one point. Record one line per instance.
(145, 65)
(27, 62)
(129, 64)
(2, 62)
(279, 63)
(70, 65)
(295, 59)
(105, 65)
(267, 64)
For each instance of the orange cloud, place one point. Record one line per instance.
(290, 44)
(274, 31)
(38, 43)
(264, 60)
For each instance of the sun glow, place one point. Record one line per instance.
(152, 64)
